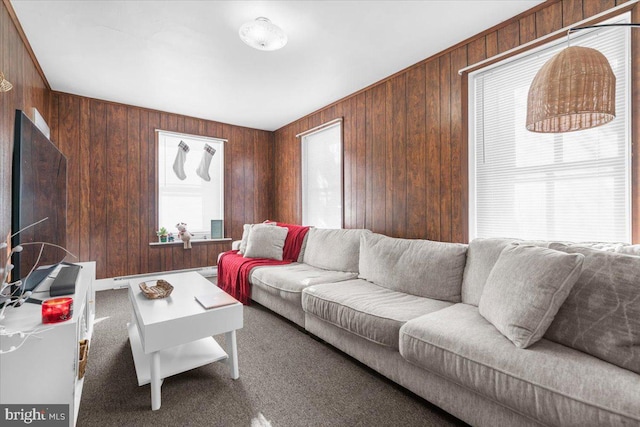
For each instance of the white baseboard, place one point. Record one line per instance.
(123, 281)
(104, 284)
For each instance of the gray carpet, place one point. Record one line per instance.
(287, 378)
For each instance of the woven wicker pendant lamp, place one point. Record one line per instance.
(574, 90)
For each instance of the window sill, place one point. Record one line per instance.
(193, 241)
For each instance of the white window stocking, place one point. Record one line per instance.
(203, 169)
(181, 157)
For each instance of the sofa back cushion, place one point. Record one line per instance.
(629, 250)
(481, 257)
(303, 248)
(246, 229)
(333, 249)
(601, 315)
(418, 267)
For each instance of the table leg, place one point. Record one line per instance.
(230, 339)
(156, 381)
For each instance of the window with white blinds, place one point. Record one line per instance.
(322, 177)
(572, 186)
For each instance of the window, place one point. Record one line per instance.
(322, 176)
(190, 182)
(573, 186)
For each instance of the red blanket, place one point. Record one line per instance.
(293, 242)
(234, 269)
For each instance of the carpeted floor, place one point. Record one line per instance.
(287, 378)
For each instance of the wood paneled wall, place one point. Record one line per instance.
(405, 142)
(405, 151)
(112, 173)
(30, 90)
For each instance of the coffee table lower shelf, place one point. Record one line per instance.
(173, 360)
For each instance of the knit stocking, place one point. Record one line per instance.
(203, 169)
(181, 157)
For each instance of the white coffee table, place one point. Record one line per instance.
(173, 335)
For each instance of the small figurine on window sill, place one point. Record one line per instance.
(170, 237)
(162, 234)
(184, 234)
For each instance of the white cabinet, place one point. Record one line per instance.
(44, 370)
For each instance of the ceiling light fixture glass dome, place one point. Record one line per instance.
(262, 34)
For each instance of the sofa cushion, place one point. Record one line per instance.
(525, 290)
(293, 278)
(279, 288)
(242, 247)
(549, 382)
(266, 241)
(629, 250)
(482, 255)
(601, 315)
(417, 267)
(303, 248)
(370, 311)
(333, 249)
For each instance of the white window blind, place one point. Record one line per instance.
(573, 186)
(322, 177)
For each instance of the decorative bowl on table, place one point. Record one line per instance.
(156, 289)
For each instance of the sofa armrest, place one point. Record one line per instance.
(234, 246)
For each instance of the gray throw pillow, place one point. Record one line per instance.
(246, 230)
(266, 241)
(245, 238)
(601, 315)
(525, 289)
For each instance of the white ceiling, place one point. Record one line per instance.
(185, 57)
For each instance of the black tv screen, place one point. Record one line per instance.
(39, 190)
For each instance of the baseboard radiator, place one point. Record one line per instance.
(123, 281)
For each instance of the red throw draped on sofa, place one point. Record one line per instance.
(234, 269)
(293, 242)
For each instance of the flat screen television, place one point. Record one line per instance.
(39, 190)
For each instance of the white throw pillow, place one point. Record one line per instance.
(266, 241)
(245, 235)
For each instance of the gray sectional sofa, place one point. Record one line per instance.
(416, 311)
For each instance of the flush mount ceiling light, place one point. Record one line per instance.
(262, 34)
(5, 86)
(574, 90)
